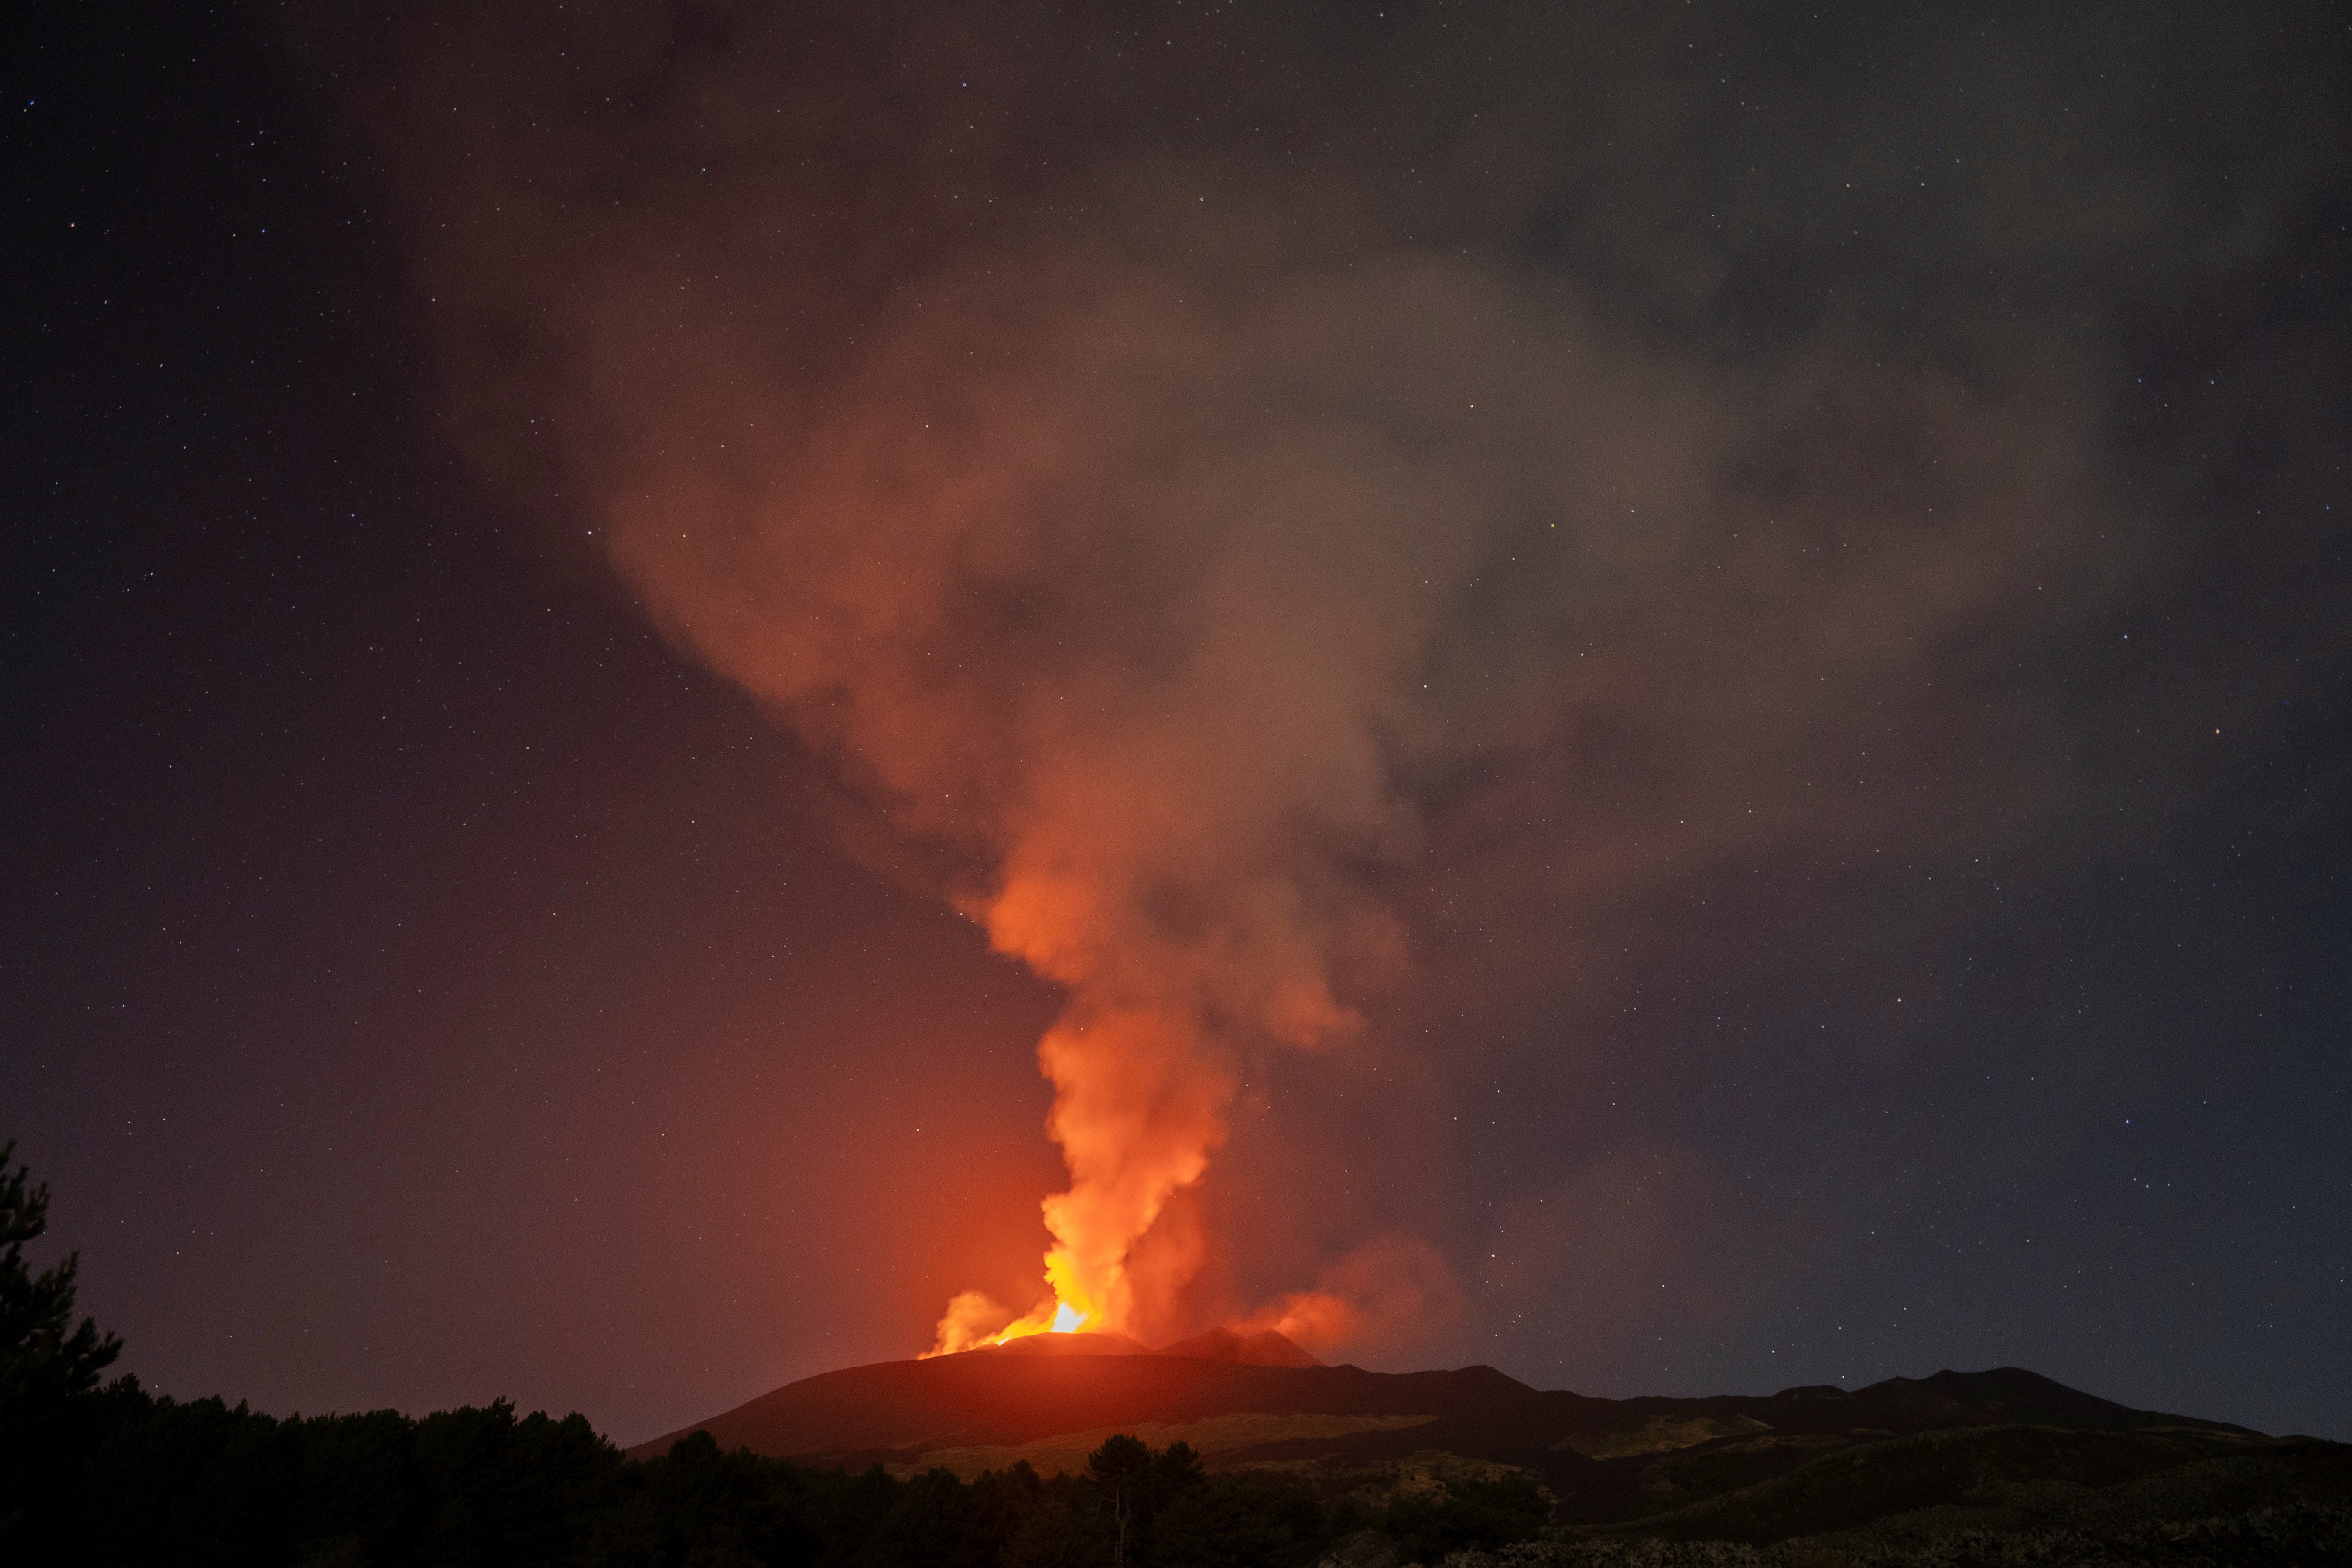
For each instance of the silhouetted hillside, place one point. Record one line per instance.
(1264, 1348)
(1603, 1460)
(1884, 1473)
(1076, 1449)
(899, 1412)
(1992, 1496)
(2014, 1393)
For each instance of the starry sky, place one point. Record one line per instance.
(1799, 556)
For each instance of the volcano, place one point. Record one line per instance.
(1258, 1399)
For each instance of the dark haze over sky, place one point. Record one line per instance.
(1800, 554)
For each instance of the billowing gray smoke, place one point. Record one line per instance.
(1251, 499)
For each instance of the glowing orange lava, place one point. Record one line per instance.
(967, 1326)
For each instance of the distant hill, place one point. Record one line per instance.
(1050, 1400)
(1265, 1348)
(2014, 1393)
(898, 1411)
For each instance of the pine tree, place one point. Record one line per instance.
(43, 1360)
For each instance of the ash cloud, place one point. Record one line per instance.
(1305, 527)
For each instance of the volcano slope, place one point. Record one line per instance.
(1758, 1469)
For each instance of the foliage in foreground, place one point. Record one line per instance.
(136, 1478)
(116, 1475)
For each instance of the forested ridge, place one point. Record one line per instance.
(107, 1473)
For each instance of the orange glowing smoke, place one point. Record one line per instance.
(1000, 519)
(1175, 555)
(1140, 1090)
(1161, 798)
(1113, 587)
(957, 582)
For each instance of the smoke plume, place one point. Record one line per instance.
(1228, 512)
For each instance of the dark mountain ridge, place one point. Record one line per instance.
(897, 1413)
(2005, 1450)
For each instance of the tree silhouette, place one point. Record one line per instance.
(44, 1360)
(40, 1361)
(1122, 1467)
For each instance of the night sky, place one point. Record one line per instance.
(1675, 679)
